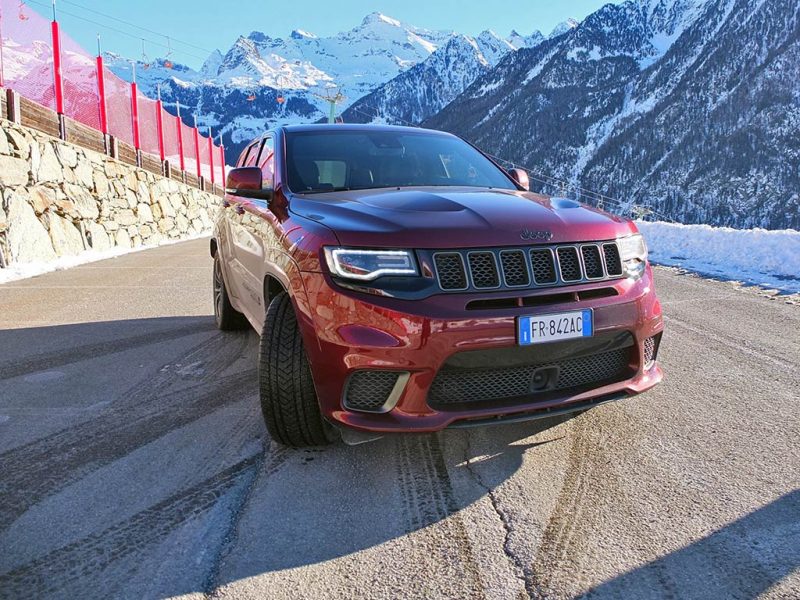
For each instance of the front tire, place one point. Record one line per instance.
(226, 317)
(288, 399)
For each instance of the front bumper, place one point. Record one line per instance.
(346, 332)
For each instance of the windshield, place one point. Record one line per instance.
(357, 160)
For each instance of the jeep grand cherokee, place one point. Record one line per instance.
(403, 282)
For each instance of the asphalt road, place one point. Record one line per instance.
(134, 463)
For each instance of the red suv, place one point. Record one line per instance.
(402, 281)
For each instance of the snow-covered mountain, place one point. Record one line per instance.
(690, 107)
(429, 86)
(237, 92)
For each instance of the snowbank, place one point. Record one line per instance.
(756, 256)
(16, 272)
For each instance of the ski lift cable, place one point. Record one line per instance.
(124, 22)
(117, 30)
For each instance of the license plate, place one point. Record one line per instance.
(551, 328)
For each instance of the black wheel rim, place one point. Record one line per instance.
(219, 289)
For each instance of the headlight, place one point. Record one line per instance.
(633, 253)
(366, 265)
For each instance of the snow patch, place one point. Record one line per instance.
(756, 256)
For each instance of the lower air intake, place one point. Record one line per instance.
(651, 350)
(457, 386)
(371, 391)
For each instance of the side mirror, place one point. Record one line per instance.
(520, 177)
(246, 182)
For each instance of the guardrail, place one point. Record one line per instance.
(51, 84)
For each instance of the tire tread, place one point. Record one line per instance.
(288, 399)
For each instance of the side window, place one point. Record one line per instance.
(252, 156)
(266, 163)
(246, 156)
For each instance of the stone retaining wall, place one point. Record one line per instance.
(57, 199)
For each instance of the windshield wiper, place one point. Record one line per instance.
(326, 191)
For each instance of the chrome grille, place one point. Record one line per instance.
(532, 267)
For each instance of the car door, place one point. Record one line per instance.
(240, 242)
(261, 230)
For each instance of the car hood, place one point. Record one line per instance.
(455, 218)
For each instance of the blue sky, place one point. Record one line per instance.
(209, 24)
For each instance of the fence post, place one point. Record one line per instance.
(222, 162)
(135, 115)
(197, 149)
(101, 93)
(180, 142)
(160, 128)
(57, 79)
(211, 156)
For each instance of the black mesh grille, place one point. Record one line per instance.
(649, 350)
(483, 270)
(451, 271)
(569, 264)
(491, 269)
(515, 270)
(369, 390)
(613, 262)
(459, 386)
(592, 262)
(544, 271)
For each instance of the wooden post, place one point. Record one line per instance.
(13, 107)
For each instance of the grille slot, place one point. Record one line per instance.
(569, 264)
(454, 386)
(592, 263)
(483, 270)
(613, 261)
(515, 269)
(369, 391)
(544, 270)
(450, 269)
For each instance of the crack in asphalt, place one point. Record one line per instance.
(277, 457)
(525, 575)
(212, 579)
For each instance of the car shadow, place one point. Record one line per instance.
(317, 505)
(743, 559)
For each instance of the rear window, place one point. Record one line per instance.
(352, 160)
